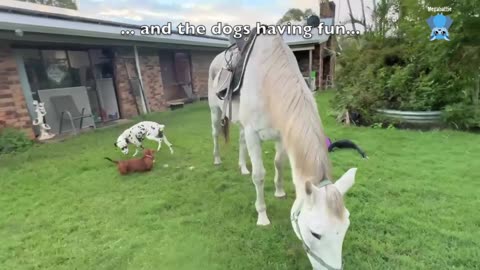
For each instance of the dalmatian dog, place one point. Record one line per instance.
(140, 131)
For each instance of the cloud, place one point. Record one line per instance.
(302, 4)
(121, 13)
(206, 13)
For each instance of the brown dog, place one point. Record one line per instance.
(135, 165)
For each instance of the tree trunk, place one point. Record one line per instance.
(351, 16)
(364, 21)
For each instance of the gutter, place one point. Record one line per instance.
(13, 22)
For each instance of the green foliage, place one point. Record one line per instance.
(295, 14)
(397, 67)
(13, 140)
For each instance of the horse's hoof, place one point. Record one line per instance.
(217, 162)
(280, 195)
(263, 222)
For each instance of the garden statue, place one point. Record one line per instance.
(44, 127)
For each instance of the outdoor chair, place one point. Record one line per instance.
(66, 108)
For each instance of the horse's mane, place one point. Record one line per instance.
(293, 111)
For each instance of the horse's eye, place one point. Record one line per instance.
(318, 236)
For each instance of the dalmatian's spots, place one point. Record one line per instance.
(141, 131)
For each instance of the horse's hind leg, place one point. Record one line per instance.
(215, 114)
(242, 155)
(280, 156)
(258, 174)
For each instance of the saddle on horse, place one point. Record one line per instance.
(229, 80)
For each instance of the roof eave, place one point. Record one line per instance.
(13, 22)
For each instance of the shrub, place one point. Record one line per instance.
(406, 71)
(13, 140)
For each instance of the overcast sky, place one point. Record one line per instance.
(207, 12)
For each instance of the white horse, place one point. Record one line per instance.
(216, 109)
(276, 104)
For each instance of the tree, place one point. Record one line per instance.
(352, 19)
(70, 4)
(295, 14)
(364, 21)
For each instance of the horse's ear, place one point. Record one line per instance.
(346, 181)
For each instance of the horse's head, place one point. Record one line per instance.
(320, 221)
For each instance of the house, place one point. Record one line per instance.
(317, 54)
(56, 56)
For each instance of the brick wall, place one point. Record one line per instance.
(152, 80)
(126, 99)
(200, 65)
(13, 108)
(327, 10)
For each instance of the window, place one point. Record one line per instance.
(35, 71)
(48, 69)
(59, 74)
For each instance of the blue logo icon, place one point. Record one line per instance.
(439, 25)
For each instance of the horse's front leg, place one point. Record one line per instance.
(280, 156)
(242, 155)
(258, 174)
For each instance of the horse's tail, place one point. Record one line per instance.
(226, 129)
(109, 159)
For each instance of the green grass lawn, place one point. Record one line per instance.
(415, 204)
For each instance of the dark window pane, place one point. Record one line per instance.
(35, 69)
(57, 69)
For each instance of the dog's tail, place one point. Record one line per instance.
(347, 144)
(109, 159)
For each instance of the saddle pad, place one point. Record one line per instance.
(239, 68)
